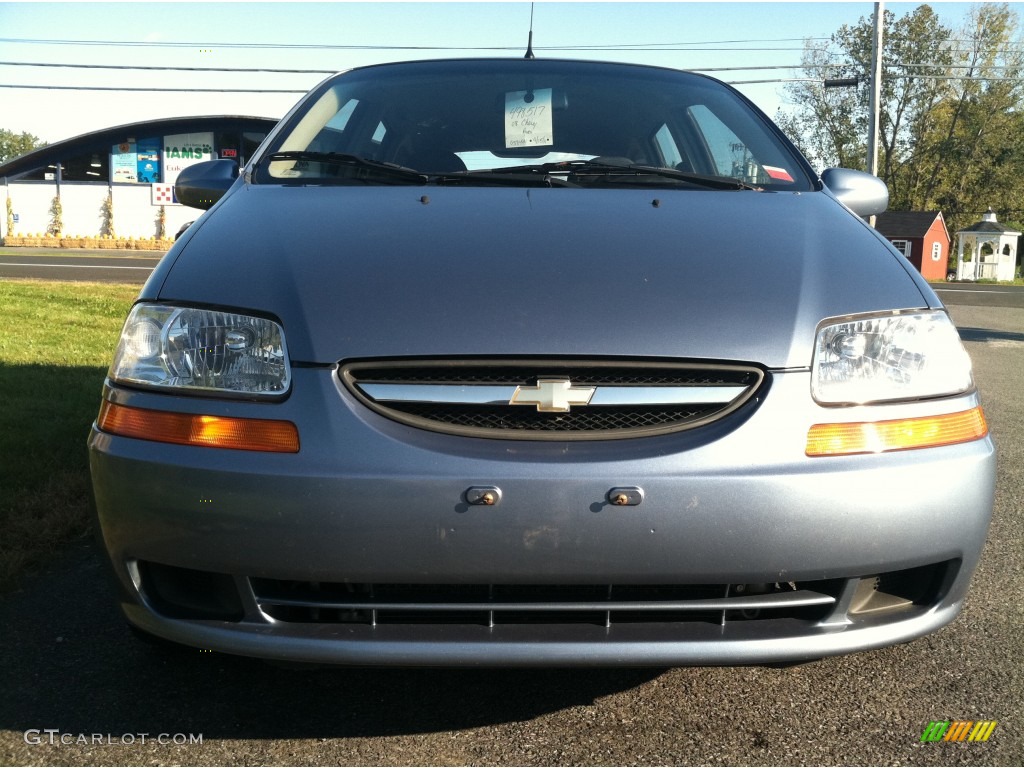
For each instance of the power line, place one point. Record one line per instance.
(296, 91)
(131, 67)
(707, 42)
(152, 89)
(976, 78)
(375, 47)
(168, 69)
(743, 69)
(157, 89)
(782, 80)
(687, 48)
(263, 70)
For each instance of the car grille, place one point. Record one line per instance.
(494, 605)
(553, 400)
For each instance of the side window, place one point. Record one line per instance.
(671, 157)
(340, 120)
(903, 246)
(332, 137)
(731, 156)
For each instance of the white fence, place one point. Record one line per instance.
(82, 209)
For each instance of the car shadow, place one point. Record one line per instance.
(68, 661)
(989, 334)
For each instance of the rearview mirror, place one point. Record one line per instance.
(862, 193)
(203, 184)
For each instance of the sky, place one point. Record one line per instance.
(334, 36)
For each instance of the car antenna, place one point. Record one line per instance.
(529, 42)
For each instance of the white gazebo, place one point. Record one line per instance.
(987, 250)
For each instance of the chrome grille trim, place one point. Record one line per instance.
(495, 395)
(797, 599)
(500, 398)
(439, 393)
(505, 604)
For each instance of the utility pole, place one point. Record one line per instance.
(876, 92)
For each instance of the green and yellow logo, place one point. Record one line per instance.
(958, 730)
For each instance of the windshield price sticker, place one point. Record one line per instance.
(528, 119)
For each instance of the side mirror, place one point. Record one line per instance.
(203, 184)
(862, 193)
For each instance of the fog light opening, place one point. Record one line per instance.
(898, 591)
(184, 593)
(869, 600)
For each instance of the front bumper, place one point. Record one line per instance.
(370, 502)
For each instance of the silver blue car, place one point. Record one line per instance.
(537, 362)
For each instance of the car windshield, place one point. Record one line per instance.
(535, 121)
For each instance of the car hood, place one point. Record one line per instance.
(401, 271)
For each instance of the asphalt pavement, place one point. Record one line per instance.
(78, 265)
(981, 294)
(78, 688)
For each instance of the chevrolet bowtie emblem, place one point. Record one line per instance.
(552, 395)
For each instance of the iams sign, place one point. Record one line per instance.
(196, 152)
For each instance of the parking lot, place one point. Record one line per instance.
(73, 675)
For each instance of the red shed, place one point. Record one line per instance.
(921, 236)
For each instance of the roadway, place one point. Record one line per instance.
(77, 265)
(981, 294)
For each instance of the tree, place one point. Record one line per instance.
(828, 125)
(951, 117)
(840, 116)
(977, 138)
(12, 145)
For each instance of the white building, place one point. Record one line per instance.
(135, 164)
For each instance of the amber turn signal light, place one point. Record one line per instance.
(198, 429)
(896, 435)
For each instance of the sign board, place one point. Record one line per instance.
(148, 163)
(528, 119)
(124, 163)
(163, 194)
(183, 150)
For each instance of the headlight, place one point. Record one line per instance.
(893, 357)
(182, 348)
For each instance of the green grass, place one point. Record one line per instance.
(1016, 281)
(56, 341)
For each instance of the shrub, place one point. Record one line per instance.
(107, 211)
(56, 217)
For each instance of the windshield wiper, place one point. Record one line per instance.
(607, 168)
(340, 158)
(526, 177)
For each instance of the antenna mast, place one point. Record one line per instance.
(529, 42)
